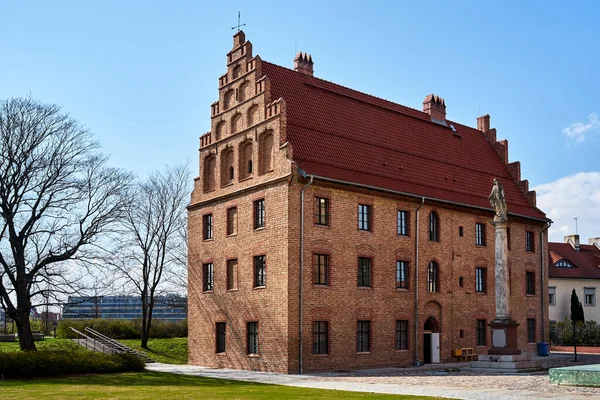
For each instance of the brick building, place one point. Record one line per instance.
(380, 210)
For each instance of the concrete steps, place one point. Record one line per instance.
(506, 363)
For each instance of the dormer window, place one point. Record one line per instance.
(563, 264)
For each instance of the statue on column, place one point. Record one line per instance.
(498, 201)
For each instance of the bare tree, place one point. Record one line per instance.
(58, 198)
(154, 222)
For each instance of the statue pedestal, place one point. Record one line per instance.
(504, 337)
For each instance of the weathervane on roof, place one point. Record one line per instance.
(238, 26)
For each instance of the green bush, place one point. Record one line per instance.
(122, 329)
(34, 364)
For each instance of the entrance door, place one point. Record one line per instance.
(435, 348)
(427, 348)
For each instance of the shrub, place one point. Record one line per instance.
(122, 329)
(34, 364)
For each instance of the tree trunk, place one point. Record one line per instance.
(26, 342)
(144, 332)
(575, 338)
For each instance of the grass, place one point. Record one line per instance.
(170, 351)
(164, 386)
(46, 345)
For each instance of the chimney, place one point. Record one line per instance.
(573, 240)
(483, 123)
(595, 242)
(435, 106)
(303, 63)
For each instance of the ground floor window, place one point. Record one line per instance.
(363, 336)
(481, 336)
(401, 335)
(252, 338)
(320, 337)
(221, 329)
(531, 330)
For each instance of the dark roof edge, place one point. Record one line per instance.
(304, 174)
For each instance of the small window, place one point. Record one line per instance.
(590, 296)
(259, 214)
(252, 338)
(401, 335)
(320, 337)
(530, 282)
(401, 274)
(460, 281)
(552, 296)
(207, 226)
(508, 237)
(461, 333)
(434, 234)
(249, 167)
(531, 330)
(460, 231)
(363, 336)
(364, 217)
(403, 223)
(481, 334)
(321, 269)
(231, 221)
(529, 242)
(231, 174)
(432, 277)
(322, 211)
(221, 334)
(207, 277)
(232, 273)
(364, 272)
(480, 280)
(563, 264)
(480, 234)
(260, 271)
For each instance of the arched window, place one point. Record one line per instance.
(434, 227)
(237, 72)
(252, 115)
(244, 91)
(220, 130)
(245, 153)
(228, 99)
(236, 123)
(433, 277)
(265, 149)
(208, 175)
(227, 167)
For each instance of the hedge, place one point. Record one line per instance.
(122, 329)
(35, 364)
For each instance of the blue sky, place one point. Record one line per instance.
(142, 74)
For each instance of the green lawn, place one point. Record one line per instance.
(163, 386)
(46, 345)
(170, 351)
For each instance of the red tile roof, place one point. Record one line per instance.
(586, 261)
(342, 134)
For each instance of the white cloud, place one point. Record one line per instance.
(577, 131)
(574, 196)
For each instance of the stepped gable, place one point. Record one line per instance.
(586, 261)
(339, 133)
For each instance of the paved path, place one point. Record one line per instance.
(441, 382)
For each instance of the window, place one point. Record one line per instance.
(480, 280)
(322, 211)
(227, 167)
(207, 226)
(231, 221)
(401, 274)
(480, 234)
(403, 223)
(481, 336)
(460, 281)
(432, 277)
(321, 269)
(552, 296)
(563, 264)
(260, 271)
(252, 338)
(460, 231)
(364, 272)
(401, 335)
(364, 217)
(461, 333)
(221, 329)
(508, 237)
(232, 273)
(363, 336)
(259, 214)
(207, 277)
(320, 337)
(590, 296)
(529, 242)
(530, 283)
(531, 330)
(434, 235)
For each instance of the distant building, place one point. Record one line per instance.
(573, 266)
(173, 308)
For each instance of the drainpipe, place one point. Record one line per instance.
(417, 280)
(542, 277)
(301, 270)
